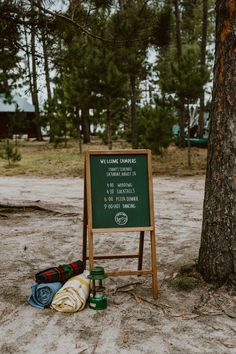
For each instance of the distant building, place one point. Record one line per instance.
(16, 117)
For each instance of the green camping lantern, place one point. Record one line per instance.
(97, 298)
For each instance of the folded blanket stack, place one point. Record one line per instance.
(60, 274)
(42, 294)
(73, 295)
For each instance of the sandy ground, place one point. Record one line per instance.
(200, 321)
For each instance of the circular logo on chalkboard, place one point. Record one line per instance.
(121, 218)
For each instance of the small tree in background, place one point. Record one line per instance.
(184, 79)
(9, 152)
(155, 128)
(188, 81)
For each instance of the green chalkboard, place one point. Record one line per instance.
(119, 190)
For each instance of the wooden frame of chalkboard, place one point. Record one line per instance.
(118, 197)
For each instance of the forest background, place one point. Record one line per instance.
(93, 59)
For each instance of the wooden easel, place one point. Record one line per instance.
(89, 230)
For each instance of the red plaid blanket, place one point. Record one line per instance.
(61, 273)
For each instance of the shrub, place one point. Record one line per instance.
(9, 152)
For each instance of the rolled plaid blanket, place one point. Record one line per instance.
(61, 273)
(42, 294)
(73, 295)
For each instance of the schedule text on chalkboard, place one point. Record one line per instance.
(119, 191)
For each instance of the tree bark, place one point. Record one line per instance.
(85, 125)
(181, 110)
(109, 129)
(134, 129)
(48, 81)
(217, 255)
(29, 75)
(78, 121)
(201, 122)
(189, 144)
(121, 4)
(34, 92)
(178, 29)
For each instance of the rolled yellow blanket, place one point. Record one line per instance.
(73, 295)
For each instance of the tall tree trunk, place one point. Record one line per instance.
(181, 110)
(47, 79)
(217, 255)
(201, 122)
(189, 143)
(77, 123)
(73, 4)
(29, 75)
(34, 92)
(109, 129)
(121, 4)
(178, 29)
(134, 128)
(85, 125)
(78, 120)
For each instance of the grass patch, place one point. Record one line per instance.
(187, 279)
(44, 160)
(185, 283)
(174, 162)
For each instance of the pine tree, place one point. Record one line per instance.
(137, 26)
(9, 152)
(188, 32)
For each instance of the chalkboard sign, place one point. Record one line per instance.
(118, 196)
(119, 190)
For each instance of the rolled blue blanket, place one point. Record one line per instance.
(42, 294)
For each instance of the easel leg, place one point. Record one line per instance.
(141, 244)
(91, 250)
(84, 254)
(154, 265)
(85, 224)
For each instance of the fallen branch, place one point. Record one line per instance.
(119, 288)
(232, 329)
(226, 312)
(26, 207)
(227, 344)
(33, 207)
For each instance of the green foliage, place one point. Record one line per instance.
(184, 77)
(188, 76)
(155, 128)
(191, 20)
(105, 75)
(102, 3)
(9, 152)
(161, 31)
(133, 28)
(181, 74)
(61, 124)
(9, 46)
(90, 78)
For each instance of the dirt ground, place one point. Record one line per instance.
(45, 229)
